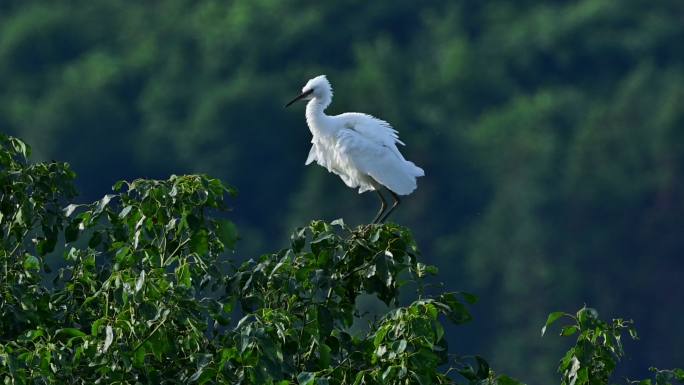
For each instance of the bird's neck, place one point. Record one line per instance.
(316, 116)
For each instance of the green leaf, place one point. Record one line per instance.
(324, 354)
(102, 203)
(400, 346)
(70, 332)
(197, 374)
(505, 380)
(227, 233)
(139, 357)
(199, 242)
(122, 254)
(117, 186)
(158, 342)
(109, 338)
(20, 147)
(228, 354)
(306, 378)
(583, 376)
(380, 335)
(298, 240)
(482, 368)
(95, 327)
(31, 262)
(390, 373)
(47, 245)
(34, 334)
(457, 313)
(470, 298)
(439, 331)
(125, 211)
(586, 315)
(376, 235)
(140, 281)
(183, 275)
(553, 317)
(679, 374)
(569, 330)
(70, 209)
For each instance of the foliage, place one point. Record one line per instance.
(598, 349)
(138, 265)
(31, 198)
(146, 295)
(302, 309)
(663, 377)
(550, 132)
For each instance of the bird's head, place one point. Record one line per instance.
(318, 88)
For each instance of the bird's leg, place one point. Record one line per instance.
(394, 205)
(383, 206)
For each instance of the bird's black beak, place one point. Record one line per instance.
(302, 96)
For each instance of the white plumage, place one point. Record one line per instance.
(360, 148)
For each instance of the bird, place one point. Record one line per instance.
(361, 149)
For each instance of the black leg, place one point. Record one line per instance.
(394, 206)
(383, 206)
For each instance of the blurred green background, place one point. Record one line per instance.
(551, 133)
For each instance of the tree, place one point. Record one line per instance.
(146, 295)
(550, 132)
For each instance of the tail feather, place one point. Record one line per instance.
(400, 178)
(416, 171)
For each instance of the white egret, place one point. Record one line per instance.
(360, 148)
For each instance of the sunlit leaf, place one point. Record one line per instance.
(183, 275)
(31, 262)
(140, 281)
(70, 332)
(109, 338)
(70, 209)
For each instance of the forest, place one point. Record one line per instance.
(551, 134)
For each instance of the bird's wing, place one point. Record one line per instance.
(373, 129)
(382, 162)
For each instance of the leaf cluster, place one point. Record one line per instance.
(131, 300)
(144, 292)
(31, 218)
(598, 349)
(662, 377)
(301, 301)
